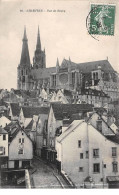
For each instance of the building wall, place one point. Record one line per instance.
(52, 125)
(96, 140)
(15, 145)
(69, 154)
(4, 144)
(110, 88)
(39, 135)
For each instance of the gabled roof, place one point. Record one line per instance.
(11, 125)
(89, 66)
(30, 111)
(69, 109)
(90, 117)
(15, 109)
(100, 110)
(70, 128)
(29, 126)
(16, 132)
(113, 138)
(76, 123)
(3, 121)
(2, 131)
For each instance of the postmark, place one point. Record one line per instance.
(101, 20)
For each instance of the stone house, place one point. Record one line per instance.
(93, 96)
(20, 150)
(88, 157)
(57, 114)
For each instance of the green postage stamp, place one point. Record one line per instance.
(102, 18)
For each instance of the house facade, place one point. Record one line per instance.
(57, 114)
(3, 148)
(93, 96)
(20, 150)
(84, 152)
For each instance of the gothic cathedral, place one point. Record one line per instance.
(98, 75)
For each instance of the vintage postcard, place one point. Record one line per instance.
(59, 94)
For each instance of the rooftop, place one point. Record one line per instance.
(89, 66)
(15, 109)
(30, 111)
(67, 110)
(2, 131)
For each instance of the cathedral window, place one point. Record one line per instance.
(96, 76)
(73, 77)
(54, 80)
(22, 72)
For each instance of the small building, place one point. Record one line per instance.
(92, 96)
(3, 148)
(57, 114)
(20, 150)
(88, 157)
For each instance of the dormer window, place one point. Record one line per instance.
(99, 125)
(54, 80)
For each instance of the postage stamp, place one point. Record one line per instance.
(102, 18)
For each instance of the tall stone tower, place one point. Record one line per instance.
(39, 60)
(24, 68)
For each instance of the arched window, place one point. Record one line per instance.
(73, 77)
(94, 75)
(22, 72)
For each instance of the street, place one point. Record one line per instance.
(46, 177)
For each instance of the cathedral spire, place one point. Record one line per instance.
(38, 46)
(25, 37)
(25, 59)
(57, 64)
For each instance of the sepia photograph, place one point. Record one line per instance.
(59, 94)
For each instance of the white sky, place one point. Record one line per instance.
(62, 35)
